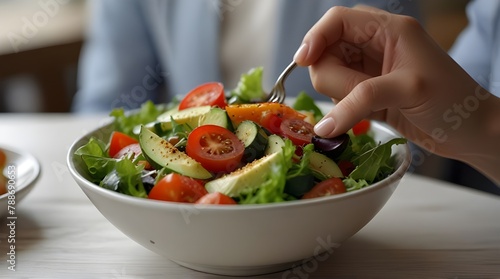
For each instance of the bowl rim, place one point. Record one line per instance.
(388, 181)
(34, 175)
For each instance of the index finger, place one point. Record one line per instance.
(358, 26)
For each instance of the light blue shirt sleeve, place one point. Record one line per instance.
(118, 65)
(477, 47)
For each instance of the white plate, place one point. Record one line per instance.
(26, 169)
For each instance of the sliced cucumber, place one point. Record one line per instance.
(216, 116)
(274, 144)
(299, 185)
(254, 139)
(245, 179)
(323, 167)
(161, 154)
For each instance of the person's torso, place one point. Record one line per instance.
(194, 43)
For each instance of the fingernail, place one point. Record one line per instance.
(324, 127)
(301, 53)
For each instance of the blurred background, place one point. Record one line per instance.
(40, 42)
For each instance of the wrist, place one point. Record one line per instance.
(481, 149)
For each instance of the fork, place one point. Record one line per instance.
(278, 94)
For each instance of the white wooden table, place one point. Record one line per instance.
(428, 229)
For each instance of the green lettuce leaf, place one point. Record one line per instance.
(352, 184)
(273, 189)
(249, 88)
(357, 145)
(125, 123)
(98, 167)
(94, 147)
(306, 103)
(375, 163)
(95, 156)
(125, 178)
(299, 178)
(302, 167)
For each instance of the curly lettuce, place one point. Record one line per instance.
(125, 123)
(249, 88)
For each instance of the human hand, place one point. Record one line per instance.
(386, 67)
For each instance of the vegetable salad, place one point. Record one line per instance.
(213, 147)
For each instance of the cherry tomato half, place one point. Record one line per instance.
(134, 148)
(272, 122)
(216, 148)
(331, 186)
(297, 130)
(362, 127)
(177, 188)
(215, 198)
(207, 94)
(118, 142)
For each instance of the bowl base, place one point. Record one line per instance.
(240, 270)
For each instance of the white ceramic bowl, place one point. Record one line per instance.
(21, 170)
(244, 239)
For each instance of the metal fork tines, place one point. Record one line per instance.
(278, 94)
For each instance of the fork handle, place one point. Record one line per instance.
(287, 71)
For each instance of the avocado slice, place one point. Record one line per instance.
(323, 167)
(160, 153)
(190, 116)
(245, 179)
